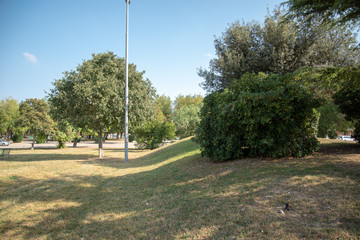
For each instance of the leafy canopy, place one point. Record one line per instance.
(348, 100)
(186, 115)
(34, 116)
(277, 46)
(93, 96)
(9, 115)
(337, 11)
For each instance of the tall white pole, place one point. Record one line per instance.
(126, 82)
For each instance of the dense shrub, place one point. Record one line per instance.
(41, 138)
(17, 138)
(152, 134)
(259, 115)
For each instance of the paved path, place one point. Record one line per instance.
(53, 144)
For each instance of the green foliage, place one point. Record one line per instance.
(152, 134)
(34, 116)
(324, 82)
(348, 99)
(64, 132)
(187, 119)
(356, 134)
(163, 104)
(188, 100)
(186, 114)
(41, 138)
(92, 97)
(337, 11)
(277, 46)
(17, 138)
(331, 120)
(9, 115)
(258, 116)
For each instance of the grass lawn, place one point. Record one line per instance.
(174, 193)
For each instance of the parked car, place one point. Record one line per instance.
(347, 138)
(4, 143)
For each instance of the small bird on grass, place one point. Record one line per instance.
(287, 207)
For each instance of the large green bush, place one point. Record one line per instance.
(259, 115)
(17, 138)
(152, 134)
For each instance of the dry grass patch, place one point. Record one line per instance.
(174, 193)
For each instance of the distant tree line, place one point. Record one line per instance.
(90, 100)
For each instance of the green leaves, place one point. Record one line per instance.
(152, 134)
(337, 11)
(186, 114)
(34, 115)
(93, 96)
(9, 115)
(258, 116)
(277, 46)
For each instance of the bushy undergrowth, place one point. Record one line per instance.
(153, 134)
(17, 138)
(259, 115)
(41, 138)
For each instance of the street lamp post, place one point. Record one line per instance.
(126, 82)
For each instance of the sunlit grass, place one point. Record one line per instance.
(174, 193)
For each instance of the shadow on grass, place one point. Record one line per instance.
(154, 157)
(51, 154)
(340, 148)
(188, 198)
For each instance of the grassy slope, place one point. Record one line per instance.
(173, 193)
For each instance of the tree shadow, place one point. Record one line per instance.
(190, 198)
(340, 148)
(151, 158)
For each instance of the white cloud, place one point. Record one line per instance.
(209, 55)
(30, 57)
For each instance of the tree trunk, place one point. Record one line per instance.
(101, 152)
(118, 136)
(105, 136)
(75, 142)
(33, 142)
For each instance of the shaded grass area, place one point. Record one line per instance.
(174, 193)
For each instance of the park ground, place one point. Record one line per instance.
(174, 193)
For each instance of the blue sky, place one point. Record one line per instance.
(168, 39)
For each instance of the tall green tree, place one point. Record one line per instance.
(277, 46)
(332, 120)
(337, 11)
(186, 115)
(163, 103)
(186, 120)
(93, 96)
(34, 116)
(348, 100)
(9, 114)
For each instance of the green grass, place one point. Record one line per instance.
(174, 193)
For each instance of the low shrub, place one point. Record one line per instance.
(152, 134)
(41, 138)
(17, 138)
